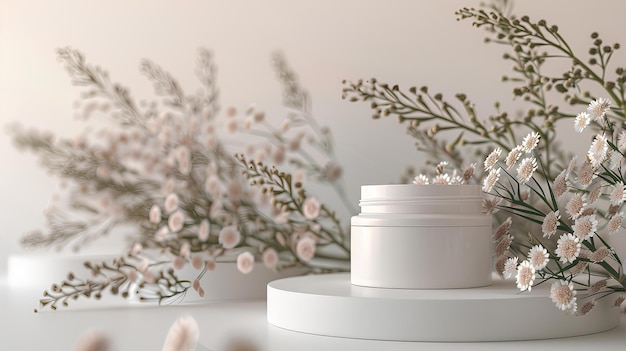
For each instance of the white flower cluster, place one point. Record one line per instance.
(525, 169)
(575, 214)
(442, 178)
(169, 171)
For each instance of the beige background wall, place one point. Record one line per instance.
(325, 41)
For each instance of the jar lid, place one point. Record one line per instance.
(421, 220)
(415, 191)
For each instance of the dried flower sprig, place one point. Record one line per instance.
(308, 218)
(440, 125)
(165, 172)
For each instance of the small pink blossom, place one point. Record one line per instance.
(294, 144)
(284, 125)
(229, 237)
(197, 261)
(183, 157)
(155, 214)
(231, 125)
(203, 230)
(311, 208)
(93, 341)
(136, 250)
(245, 262)
(212, 186)
(143, 265)
(281, 217)
(171, 203)
(176, 221)
(279, 155)
(185, 249)
(183, 335)
(178, 262)
(234, 191)
(160, 234)
(305, 249)
(259, 117)
(270, 258)
(148, 277)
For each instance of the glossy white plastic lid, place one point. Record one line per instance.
(420, 220)
(414, 192)
(412, 205)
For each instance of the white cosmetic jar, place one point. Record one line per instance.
(412, 236)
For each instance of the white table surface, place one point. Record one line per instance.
(132, 327)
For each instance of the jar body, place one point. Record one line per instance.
(421, 237)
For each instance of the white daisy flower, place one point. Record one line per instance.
(585, 227)
(615, 159)
(598, 151)
(510, 268)
(621, 141)
(567, 248)
(598, 108)
(600, 254)
(586, 307)
(618, 194)
(563, 295)
(615, 223)
(442, 179)
(571, 166)
(491, 179)
(526, 168)
(594, 195)
(586, 175)
(500, 266)
(550, 224)
(421, 180)
(502, 229)
(503, 245)
(559, 186)
(581, 122)
(456, 179)
(597, 286)
(490, 204)
(492, 159)
(529, 143)
(575, 206)
(538, 257)
(468, 172)
(513, 156)
(525, 276)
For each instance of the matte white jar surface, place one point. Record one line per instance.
(421, 237)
